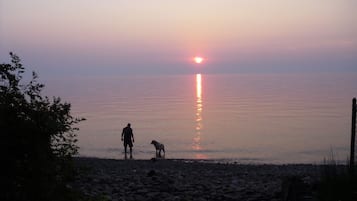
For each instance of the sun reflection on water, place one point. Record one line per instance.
(199, 107)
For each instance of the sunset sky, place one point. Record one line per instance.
(91, 37)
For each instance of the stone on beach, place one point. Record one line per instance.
(180, 180)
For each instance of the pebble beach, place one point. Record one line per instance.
(129, 180)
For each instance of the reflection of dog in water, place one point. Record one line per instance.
(158, 147)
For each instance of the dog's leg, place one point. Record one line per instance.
(163, 149)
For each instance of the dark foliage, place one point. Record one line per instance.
(336, 184)
(37, 138)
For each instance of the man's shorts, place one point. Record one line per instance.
(128, 142)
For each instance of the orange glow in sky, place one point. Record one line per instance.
(198, 60)
(283, 34)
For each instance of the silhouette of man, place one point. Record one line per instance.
(126, 136)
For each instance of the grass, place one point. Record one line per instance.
(337, 183)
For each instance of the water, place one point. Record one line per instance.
(259, 118)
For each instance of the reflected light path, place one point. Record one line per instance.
(198, 130)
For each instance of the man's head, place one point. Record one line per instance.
(129, 125)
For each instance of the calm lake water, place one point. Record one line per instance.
(248, 118)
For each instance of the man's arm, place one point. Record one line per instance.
(122, 135)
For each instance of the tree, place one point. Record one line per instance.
(38, 137)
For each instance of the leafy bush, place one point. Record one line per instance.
(38, 139)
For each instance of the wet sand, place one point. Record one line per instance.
(187, 180)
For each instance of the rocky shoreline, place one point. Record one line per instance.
(130, 180)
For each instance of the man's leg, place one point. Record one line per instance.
(131, 150)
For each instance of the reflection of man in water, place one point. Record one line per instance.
(126, 136)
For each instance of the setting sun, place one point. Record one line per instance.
(198, 60)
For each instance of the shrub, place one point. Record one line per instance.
(38, 139)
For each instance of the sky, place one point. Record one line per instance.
(109, 37)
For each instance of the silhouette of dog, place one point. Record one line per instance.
(158, 147)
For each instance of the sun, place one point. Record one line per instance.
(198, 60)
